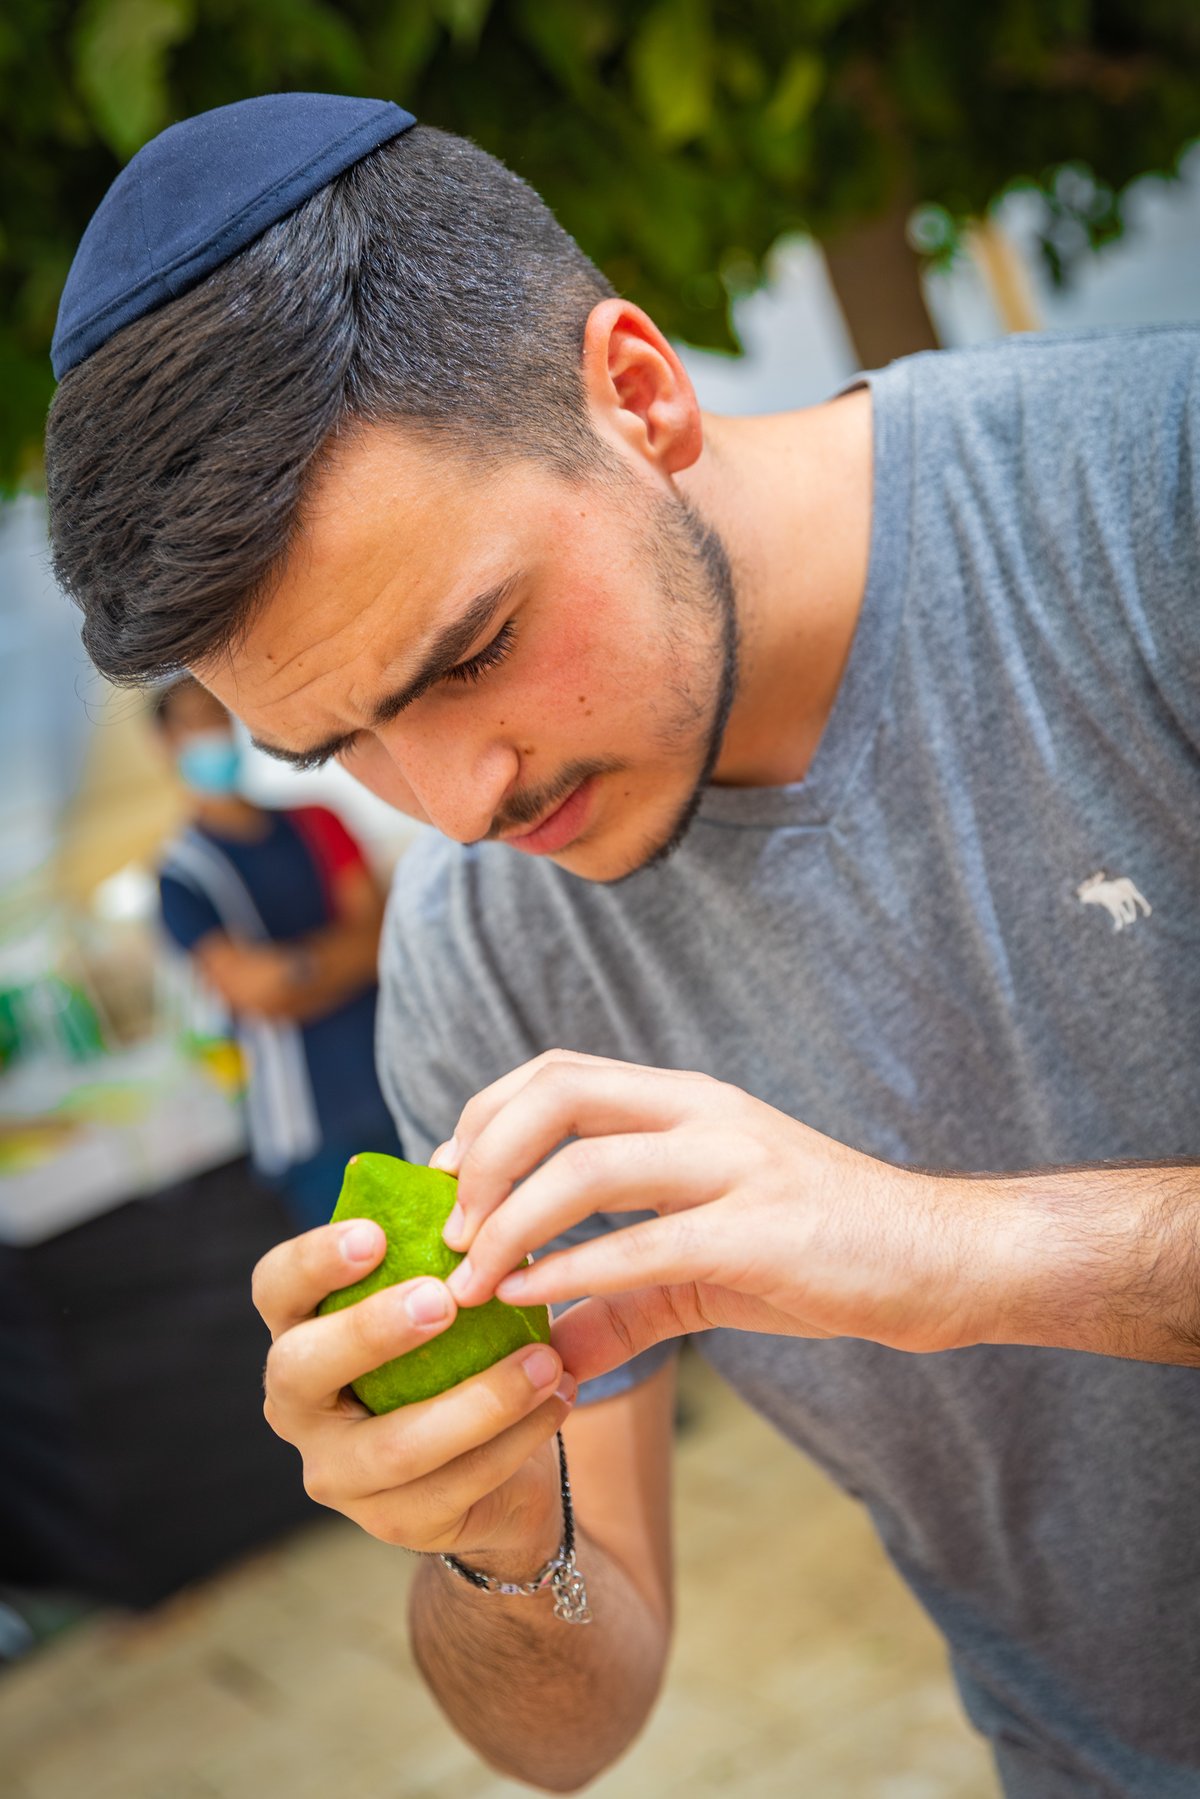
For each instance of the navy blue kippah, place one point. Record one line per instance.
(197, 194)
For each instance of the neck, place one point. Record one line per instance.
(790, 495)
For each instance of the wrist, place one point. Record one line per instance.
(558, 1571)
(1028, 1263)
(1093, 1268)
(520, 1560)
(982, 1239)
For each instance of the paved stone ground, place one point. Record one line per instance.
(802, 1669)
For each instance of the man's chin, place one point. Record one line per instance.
(606, 861)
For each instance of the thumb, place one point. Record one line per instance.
(598, 1334)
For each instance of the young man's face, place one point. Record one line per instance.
(502, 653)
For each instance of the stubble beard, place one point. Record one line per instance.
(695, 582)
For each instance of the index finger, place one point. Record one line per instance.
(292, 1279)
(571, 1096)
(483, 1107)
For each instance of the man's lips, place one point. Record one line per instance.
(561, 826)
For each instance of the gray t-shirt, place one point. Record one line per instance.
(910, 952)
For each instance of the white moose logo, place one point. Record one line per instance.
(1120, 898)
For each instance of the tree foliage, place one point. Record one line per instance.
(677, 139)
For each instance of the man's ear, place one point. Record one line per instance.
(638, 391)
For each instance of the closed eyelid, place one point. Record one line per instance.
(323, 760)
(490, 655)
(433, 677)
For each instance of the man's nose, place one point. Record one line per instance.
(458, 783)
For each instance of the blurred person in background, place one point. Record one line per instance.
(281, 916)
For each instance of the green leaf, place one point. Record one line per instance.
(121, 50)
(671, 61)
(797, 91)
(400, 44)
(820, 17)
(27, 384)
(569, 36)
(463, 19)
(741, 70)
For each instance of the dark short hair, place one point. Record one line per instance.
(428, 285)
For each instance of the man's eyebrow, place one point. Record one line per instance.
(448, 648)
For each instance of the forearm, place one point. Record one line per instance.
(1103, 1258)
(543, 1701)
(332, 965)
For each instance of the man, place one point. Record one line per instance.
(281, 915)
(796, 770)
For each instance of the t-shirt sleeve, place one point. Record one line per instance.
(187, 916)
(328, 838)
(1102, 536)
(1162, 605)
(1059, 489)
(447, 1026)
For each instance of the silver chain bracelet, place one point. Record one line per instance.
(559, 1573)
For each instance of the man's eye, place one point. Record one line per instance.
(489, 657)
(322, 758)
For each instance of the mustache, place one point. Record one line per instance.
(527, 808)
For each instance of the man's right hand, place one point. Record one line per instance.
(471, 1472)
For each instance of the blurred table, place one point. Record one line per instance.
(78, 1139)
(134, 1456)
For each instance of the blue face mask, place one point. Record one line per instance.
(210, 762)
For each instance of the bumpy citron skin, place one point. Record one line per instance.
(412, 1205)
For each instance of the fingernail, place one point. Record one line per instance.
(541, 1365)
(427, 1304)
(445, 1156)
(567, 1388)
(461, 1279)
(360, 1242)
(512, 1286)
(454, 1225)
